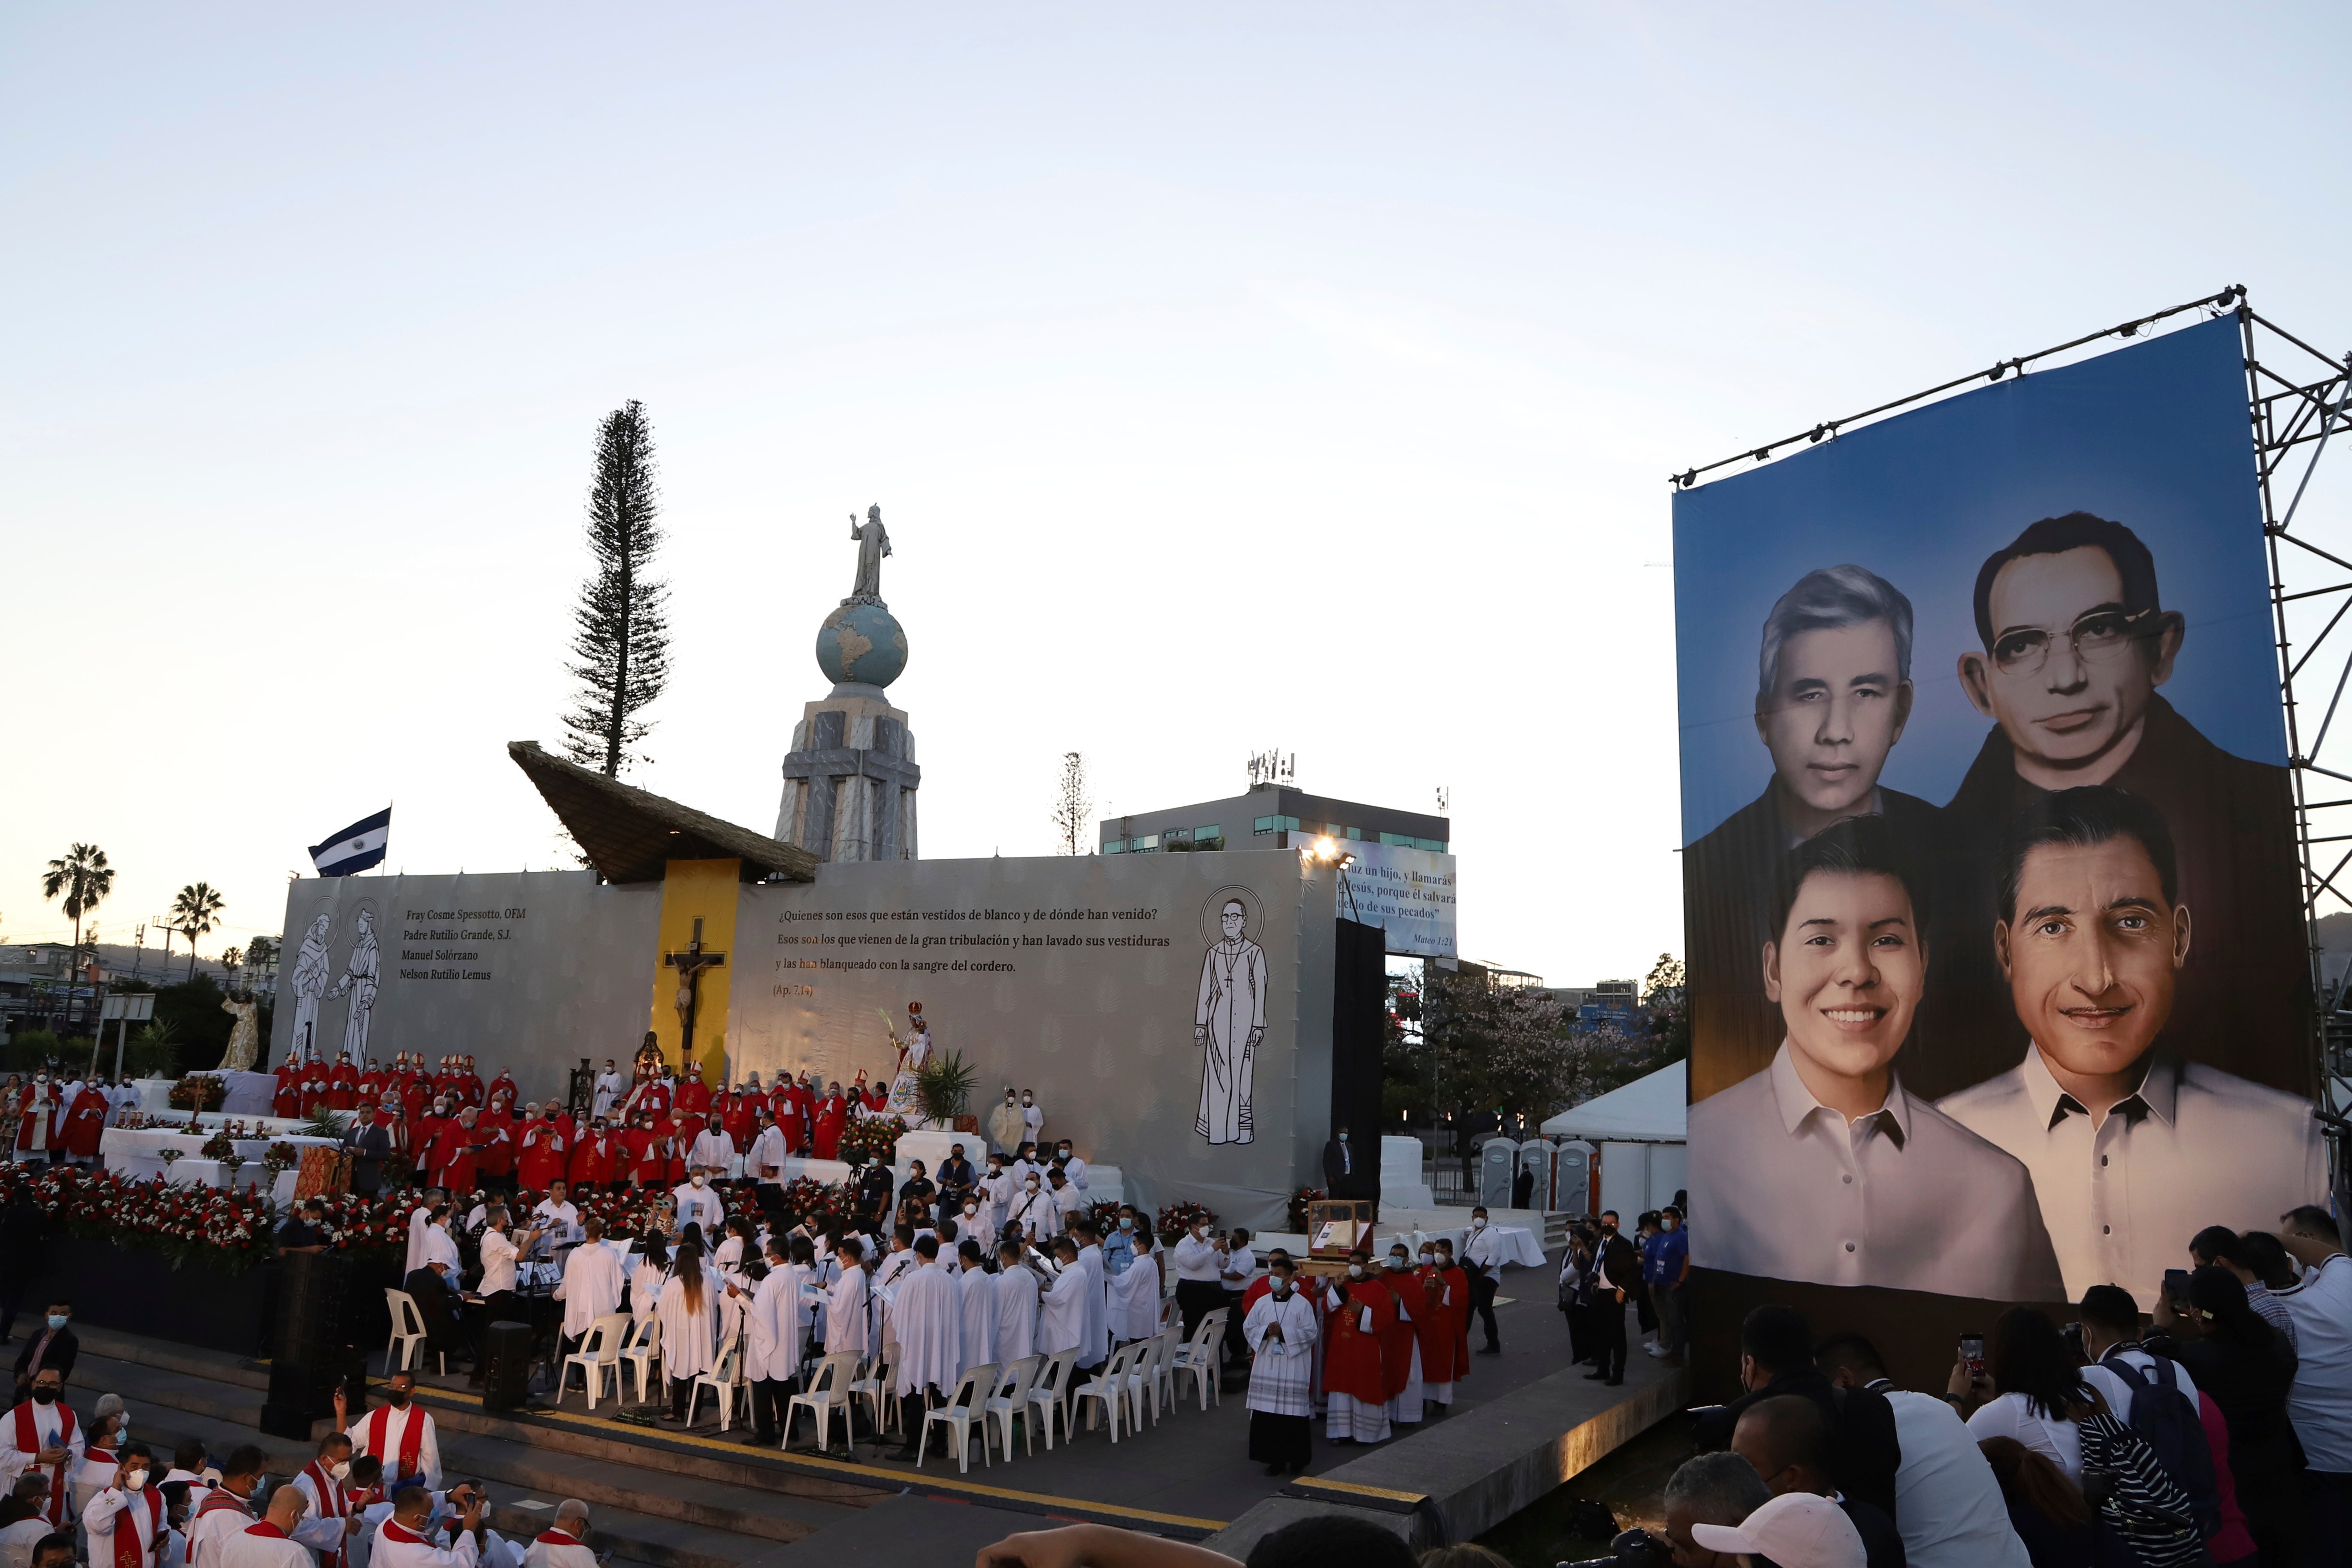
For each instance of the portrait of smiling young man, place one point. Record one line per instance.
(1832, 695)
(2073, 643)
(1822, 1167)
(2123, 1137)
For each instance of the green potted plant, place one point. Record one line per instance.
(943, 1087)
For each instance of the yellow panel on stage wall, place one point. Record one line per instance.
(691, 890)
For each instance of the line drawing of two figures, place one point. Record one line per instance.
(1228, 1021)
(362, 971)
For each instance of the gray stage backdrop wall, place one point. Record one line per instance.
(526, 970)
(1083, 978)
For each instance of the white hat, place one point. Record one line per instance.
(1795, 1530)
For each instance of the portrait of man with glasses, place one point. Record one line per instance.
(2075, 642)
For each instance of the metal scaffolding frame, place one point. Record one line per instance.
(2298, 398)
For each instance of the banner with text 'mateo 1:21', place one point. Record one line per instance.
(1996, 965)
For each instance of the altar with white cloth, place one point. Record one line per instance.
(137, 1153)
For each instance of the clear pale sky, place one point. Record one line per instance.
(1229, 380)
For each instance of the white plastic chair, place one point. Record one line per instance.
(1197, 1356)
(1163, 1375)
(1008, 1397)
(1143, 1378)
(873, 1387)
(1112, 1389)
(724, 1379)
(407, 1333)
(966, 1413)
(599, 1354)
(643, 1355)
(828, 1391)
(1049, 1394)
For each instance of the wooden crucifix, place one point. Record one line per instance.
(689, 965)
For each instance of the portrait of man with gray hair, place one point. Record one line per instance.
(1833, 696)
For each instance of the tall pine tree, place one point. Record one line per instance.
(621, 640)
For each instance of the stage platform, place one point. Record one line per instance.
(698, 1498)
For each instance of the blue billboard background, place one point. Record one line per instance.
(2154, 435)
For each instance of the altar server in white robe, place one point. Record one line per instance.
(927, 1305)
(270, 1543)
(420, 1219)
(1016, 1288)
(592, 1284)
(848, 1317)
(979, 1289)
(125, 1520)
(1280, 1332)
(777, 1326)
(689, 1312)
(647, 1277)
(1135, 1294)
(1062, 1320)
(1095, 1348)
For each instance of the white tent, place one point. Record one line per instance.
(1652, 1109)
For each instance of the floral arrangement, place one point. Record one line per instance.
(230, 1230)
(1184, 1216)
(1105, 1215)
(219, 1146)
(130, 1121)
(1298, 1202)
(806, 1197)
(199, 1092)
(873, 1137)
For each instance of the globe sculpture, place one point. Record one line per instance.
(861, 644)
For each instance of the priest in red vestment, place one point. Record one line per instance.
(693, 1094)
(343, 1085)
(830, 1117)
(1358, 1309)
(83, 1122)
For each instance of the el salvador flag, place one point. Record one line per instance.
(356, 847)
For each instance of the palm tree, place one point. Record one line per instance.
(196, 907)
(232, 961)
(84, 877)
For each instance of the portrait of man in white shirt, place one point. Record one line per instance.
(1821, 1167)
(2123, 1137)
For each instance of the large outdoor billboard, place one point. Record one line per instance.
(1996, 959)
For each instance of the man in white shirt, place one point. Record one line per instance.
(1948, 1502)
(1036, 1212)
(564, 1543)
(997, 1189)
(1032, 1117)
(1822, 1167)
(420, 1220)
(699, 1203)
(713, 1151)
(556, 1220)
(2319, 1402)
(2110, 1319)
(1200, 1269)
(1068, 1199)
(2122, 1138)
(1072, 1166)
(1234, 1272)
(778, 1325)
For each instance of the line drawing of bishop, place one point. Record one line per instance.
(311, 967)
(359, 976)
(1227, 1025)
(873, 544)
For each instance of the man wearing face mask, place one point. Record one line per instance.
(713, 1150)
(1281, 1332)
(125, 1521)
(699, 1203)
(1482, 1259)
(228, 1509)
(1359, 1310)
(1005, 1128)
(1119, 1246)
(55, 1346)
(1036, 1214)
(1432, 1328)
(956, 1178)
(42, 1433)
(330, 1520)
(1199, 1263)
(400, 1432)
(1032, 1117)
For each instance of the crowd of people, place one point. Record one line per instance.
(55, 1115)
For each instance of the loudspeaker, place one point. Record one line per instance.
(1358, 1034)
(311, 1350)
(505, 1366)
